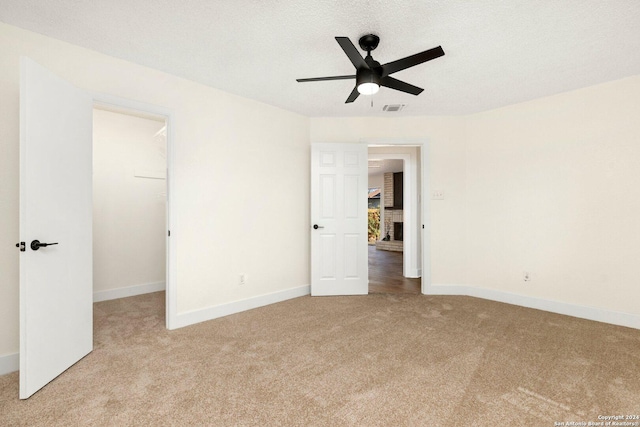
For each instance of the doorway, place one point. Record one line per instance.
(338, 226)
(129, 202)
(392, 263)
(144, 110)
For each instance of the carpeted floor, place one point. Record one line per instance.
(377, 360)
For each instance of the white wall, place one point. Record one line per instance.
(549, 186)
(129, 211)
(241, 178)
(553, 189)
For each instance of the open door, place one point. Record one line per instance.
(339, 188)
(56, 277)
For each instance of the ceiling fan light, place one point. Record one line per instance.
(368, 88)
(367, 82)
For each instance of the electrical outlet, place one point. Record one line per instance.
(526, 276)
(243, 279)
(437, 195)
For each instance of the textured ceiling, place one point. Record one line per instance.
(497, 52)
(384, 166)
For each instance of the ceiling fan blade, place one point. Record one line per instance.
(353, 96)
(410, 61)
(396, 84)
(319, 79)
(356, 59)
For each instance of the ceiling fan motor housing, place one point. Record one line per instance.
(371, 75)
(368, 76)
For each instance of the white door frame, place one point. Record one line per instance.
(101, 99)
(422, 202)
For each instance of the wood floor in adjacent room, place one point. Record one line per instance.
(385, 273)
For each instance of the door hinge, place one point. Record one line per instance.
(22, 246)
(169, 233)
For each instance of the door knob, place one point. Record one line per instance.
(35, 245)
(316, 226)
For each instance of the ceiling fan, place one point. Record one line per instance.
(370, 75)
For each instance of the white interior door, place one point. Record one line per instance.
(339, 175)
(56, 311)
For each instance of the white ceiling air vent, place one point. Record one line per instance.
(375, 163)
(393, 107)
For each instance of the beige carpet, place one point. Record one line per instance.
(377, 360)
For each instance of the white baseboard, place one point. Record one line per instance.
(446, 290)
(209, 313)
(9, 363)
(583, 312)
(414, 274)
(128, 291)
